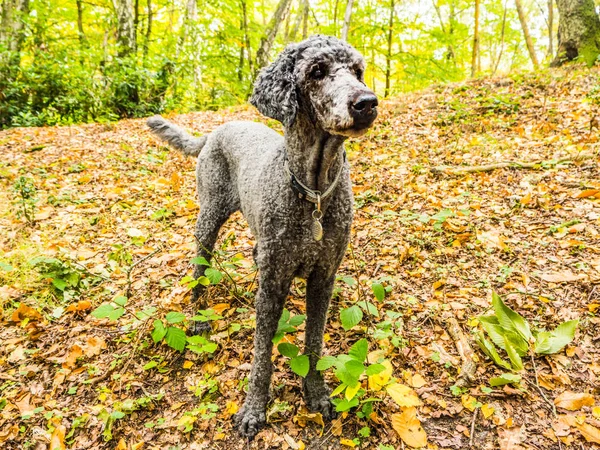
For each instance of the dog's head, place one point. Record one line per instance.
(323, 78)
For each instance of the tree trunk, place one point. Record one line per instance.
(248, 49)
(335, 17)
(347, 18)
(148, 33)
(475, 41)
(80, 31)
(551, 29)
(266, 42)
(12, 29)
(526, 34)
(126, 39)
(296, 27)
(305, 19)
(388, 55)
(578, 32)
(502, 35)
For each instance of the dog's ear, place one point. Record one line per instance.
(275, 88)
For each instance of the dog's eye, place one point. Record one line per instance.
(318, 72)
(359, 74)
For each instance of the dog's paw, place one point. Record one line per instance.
(249, 421)
(200, 328)
(322, 404)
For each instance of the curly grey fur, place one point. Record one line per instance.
(176, 136)
(241, 167)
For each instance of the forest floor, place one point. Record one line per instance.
(114, 217)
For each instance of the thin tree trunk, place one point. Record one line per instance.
(305, 19)
(551, 29)
(335, 17)
(126, 39)
(296, 27)
(578, 32)
(388, 56)
(526, 35)
(12, 29)
(247, 36)
(266, 42)
(502, 35)
(475, 41)
(80, 31)
(148, 33)
(347, 19)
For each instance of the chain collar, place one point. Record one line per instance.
(311, 195)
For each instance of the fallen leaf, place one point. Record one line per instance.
(573, 401)
(348, 443)
(121, 445)
(588, 193)
(70, 360)
(57, 441)
(469, 402)
(93, 346)
(82, 305)
(561, 277)
(589, 432)
(487, 410)
(511, 438)
(403, 395)
(409, 428)
(25, 312)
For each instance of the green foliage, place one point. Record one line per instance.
(26, 198)
(509, 331)
(287, 324)
(68, 279)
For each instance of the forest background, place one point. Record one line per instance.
(73, 61)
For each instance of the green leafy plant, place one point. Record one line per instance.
(348, 369)
(67, 278)
(211, 275)
(509, 331)
(26, 198)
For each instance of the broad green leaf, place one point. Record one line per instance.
(103, 311)
(378, 291)
(370, 308)
(374, 369)
(59, 284)
(518, 343)
(121, 300)
(326, 362)
(175, 317)
(488, 348)
(509, 319)
(345, 405)
(513, 355)
(351, 317)
(554, 341)
(359, 350)
(200, 261)
(159, 331)
(355, 368)
(175, 338)
(116, 313)
(297, 320)
(338, 390)
(214, 275)
(287, 349)
(505, 378)
(300, 365)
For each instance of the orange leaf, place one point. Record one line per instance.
(573, 401)
(25, 312)
(588, 193)
(81, 305)
(409, 428)
(57, 441)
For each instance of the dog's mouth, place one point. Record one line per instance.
(357, 129)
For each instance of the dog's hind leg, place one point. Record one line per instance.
(318, 294)
(273, 290)
(210, 219)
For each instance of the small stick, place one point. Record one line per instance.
(472, 437)
(539, 388)
(468, 368)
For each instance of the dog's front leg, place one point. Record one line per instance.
(272, 293)
(318, 295)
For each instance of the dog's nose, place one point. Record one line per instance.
(364, 105)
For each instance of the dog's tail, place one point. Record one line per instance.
(176, 136)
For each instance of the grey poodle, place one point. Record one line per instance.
(294, 191)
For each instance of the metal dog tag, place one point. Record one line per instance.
(317, 228)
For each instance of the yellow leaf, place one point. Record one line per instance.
(589, 432)
(301, 445)
(574, 401)
(469, 402)
(487, 410)
(187, 364)
(596, 412)
(186, 421)
(57, 441)
(121, 445)
(403, 395)
(347, 442)
(377, 382)
(81, 305)
(219, 437)
(231, 408)
(351, 391)
(415, 380)
(409, 428)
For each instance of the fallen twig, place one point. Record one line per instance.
(457, 170)
(468, 368)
